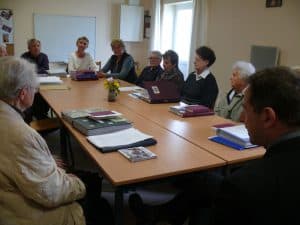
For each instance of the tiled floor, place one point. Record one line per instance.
(154, 194)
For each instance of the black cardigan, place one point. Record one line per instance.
(203, 91)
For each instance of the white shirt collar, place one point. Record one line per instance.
(203, 75)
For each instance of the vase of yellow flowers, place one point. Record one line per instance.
(113, 88)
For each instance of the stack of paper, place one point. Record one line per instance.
(57, 72)
(121, 139)
(50, 80)
(130, 88)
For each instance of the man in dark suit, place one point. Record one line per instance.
(34, 55)
(151, 72)
(262, 192)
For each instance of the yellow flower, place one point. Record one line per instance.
(112, 85)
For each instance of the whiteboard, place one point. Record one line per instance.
(131, 23)
(58, 34)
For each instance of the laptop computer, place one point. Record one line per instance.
(160, 92)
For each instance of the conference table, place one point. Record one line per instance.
(182, 143)
(194, 129)
(175, 155)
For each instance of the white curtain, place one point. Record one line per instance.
(199, 29)
(155, 25)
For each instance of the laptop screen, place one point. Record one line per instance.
(162, 91)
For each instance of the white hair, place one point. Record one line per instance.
(245, 69)
(157, 54)
(15, 74)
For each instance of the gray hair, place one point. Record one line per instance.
(15, 74)
(245, 69)
(157, 54)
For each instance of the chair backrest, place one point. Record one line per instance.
(264, 56)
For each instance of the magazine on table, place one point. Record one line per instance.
(136, 154)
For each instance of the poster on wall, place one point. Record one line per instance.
(6, 26)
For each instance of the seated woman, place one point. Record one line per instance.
(81, 60)
(154, 69)
(201, 86)
(171, 70)
(34, 189)
(120, 64)
(230, 106)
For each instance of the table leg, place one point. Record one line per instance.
(63, 144)
(119, 206)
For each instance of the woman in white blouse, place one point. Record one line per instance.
(81, 60)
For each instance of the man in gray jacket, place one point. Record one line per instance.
(33, 188)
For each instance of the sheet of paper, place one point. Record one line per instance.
(54, 87)
(49, 80)
(123, 137)
(130, 88)
(57, 72)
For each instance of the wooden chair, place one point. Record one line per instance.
(45, 125)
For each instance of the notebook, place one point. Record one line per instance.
(191, 110)
(87, 75)
(127, 138)
(160, 92)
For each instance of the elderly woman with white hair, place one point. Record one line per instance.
(230, 106)
(33, 189)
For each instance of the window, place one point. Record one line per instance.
(176, 31)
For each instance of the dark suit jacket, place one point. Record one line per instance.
(149, 74)
(41, 61)
(264, 192)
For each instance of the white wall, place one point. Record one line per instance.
(107, 19)
(235, 25)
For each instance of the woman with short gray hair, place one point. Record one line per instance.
(34, 189)
(230, 106)
(153, 70)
